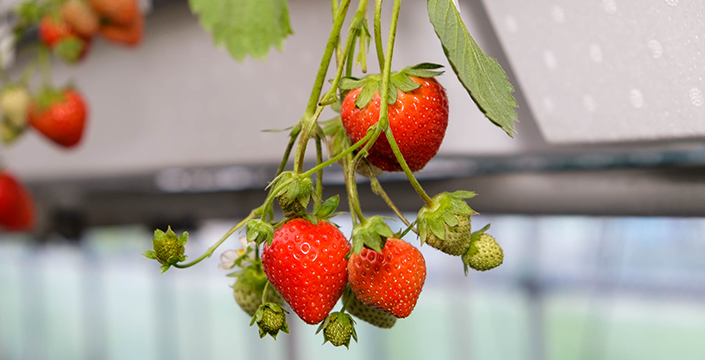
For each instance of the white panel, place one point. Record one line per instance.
(608, 70)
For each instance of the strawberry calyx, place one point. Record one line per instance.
(444, 214)
(260, 231)
(399, 80)
(70, 48)
(293, 192)
(338, 328)
(372, 233)
(168, 248)
(47, 97)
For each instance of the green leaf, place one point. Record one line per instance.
(481, 74)
(437, 228)
(403, 83)
(150, 255)
(463, 194)
(245, 27)
(450, 219)
(423, 70)
(366, 94)
(183, 239)
(328, 207)
(164, 268)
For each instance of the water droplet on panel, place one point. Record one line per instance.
(696, 97)
(596, 53)
(636, 98)
(550, 60)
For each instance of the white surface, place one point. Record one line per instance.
(608, 70)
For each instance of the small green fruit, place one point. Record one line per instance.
(484, 254)
(270, 319)
(338, 329)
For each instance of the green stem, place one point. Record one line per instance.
(380, 191)
(211, 249)
(387, 70)
(44, 59)
(308, 118)
(319, 176)
(415, 183)
(378, 33)
(339, 156)
(351, 186)
(410, 227)
(347, 301)
(287, 152)
(264, 293)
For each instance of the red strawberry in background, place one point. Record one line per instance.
(128, 34)
(53, 29)
(121, 12)
(418, 119)
(16, 207)
(391, 280)
(59, 36)
(80, 17)
(306, 263)
(59, 115)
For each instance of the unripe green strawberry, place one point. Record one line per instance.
(484, 254)
(369, 314)
(168, 248)
(270, 319)
(445, 224)
(14, 102)
(338, 328)
(249, 287)
(457, 238)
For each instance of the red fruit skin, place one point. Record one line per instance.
(52, 30)
(391, 280)
(10, 191)
(116, 11)
(306, 263)
(62, 122)
(129, 34)
(418, 121)
(16, 206)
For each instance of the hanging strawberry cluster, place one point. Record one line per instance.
(392, 121)
(66, 29)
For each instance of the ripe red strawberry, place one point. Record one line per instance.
(116, 11)
(16, 206)
(306, 263)
(60, 116)
(58, 35)
(80, 17)
(391, 280)
(418, 120)
(127, 34)
(53, 29)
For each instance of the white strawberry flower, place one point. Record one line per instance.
(228, 257)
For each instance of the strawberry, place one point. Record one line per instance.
(14, 101)
(338, 328)
(121, 12)
(306, 263)
(417, 112)
(445, 223)
(249, 287)
(391, 280)
(16, 206)
(58, 35)
(484, 252)
(53, 29)
(129, 34)
(369, 314)
(457, 238)
(60, 116)
(80, 17)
